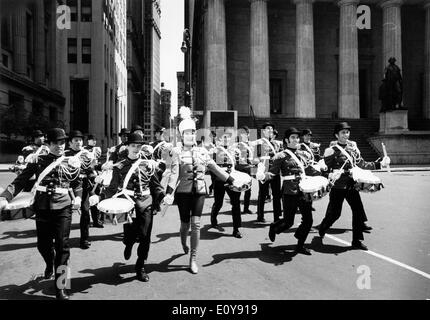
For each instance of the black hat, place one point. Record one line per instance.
(159, 129)
(306, 131)
(291, 131)
(136, 127)
(56, 134)
(245, 128)
(124, 131)
(340, 126)
(91, 137)
(135, 138)
(268, 124)
(76, 134)
(392, 60)
(37, 133)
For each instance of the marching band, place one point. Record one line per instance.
(138, 180)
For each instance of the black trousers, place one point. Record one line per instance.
(291, 203)
(219, 191)
(189, 205)
(53, 231)
(263, 191)
(246, 200)
(84, 223)
(140, 230)
(334, 209)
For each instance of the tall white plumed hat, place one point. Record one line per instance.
(187, 122)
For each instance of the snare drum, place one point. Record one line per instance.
(366, 180)
(244, 178)
(314, 188)
(118, 209)
(19, 207)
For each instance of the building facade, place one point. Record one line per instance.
(152, 114)
(95, 80)
(306, 58)
(30, 91)
(180, 76)
(166, 97)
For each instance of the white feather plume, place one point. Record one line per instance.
(185, 113)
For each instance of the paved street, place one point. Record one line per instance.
(248, 268)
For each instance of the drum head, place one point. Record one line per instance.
(22, 200)
(313, 184)
(115, 206)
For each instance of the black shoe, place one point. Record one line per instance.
(85, 245)
(261, 219)
(366, 227)
(272, 233)
(247, 211)
(141, 275)
(127, 251)
(237, 234)
(61, 294)
(358, 245)
(303, 250)
(321, 231)
(318, 226)
(98, 225)
(49, 271)
(313, 209)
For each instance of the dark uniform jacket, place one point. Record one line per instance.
(44, 200)
(118, 153)
(285, 165)
(334, 160)
(140, 188)
(314, 147)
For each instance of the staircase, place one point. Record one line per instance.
(322, 130)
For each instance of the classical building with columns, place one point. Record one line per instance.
(307, 59)
(30, 91)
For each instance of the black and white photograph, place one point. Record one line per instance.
(217, 155)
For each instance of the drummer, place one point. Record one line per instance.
(293, 198)
(96, 216)
(118, 149)
(191, 163)
(76, 142)
(223, 161)
(343, 187)
(147, 194)
(308, 145)
(52, 204)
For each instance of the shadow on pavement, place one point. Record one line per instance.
(28, 290)
(26, 234)
(268, 254)
(318, 246)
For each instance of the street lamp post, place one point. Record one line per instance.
(186, 49)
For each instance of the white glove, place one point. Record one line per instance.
(94, 199)
(168, 199)
(98, 180)
(385, 161)
(3, 204)
(77, 203)
(335, 175)
(107, 166)
(260, 172)
(322, 165)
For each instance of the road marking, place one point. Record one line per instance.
(398, 263)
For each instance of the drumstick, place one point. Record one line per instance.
(384, 150)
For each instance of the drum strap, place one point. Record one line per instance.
(130, 172)
(309, 150)
(294, 157)
(46, 171)
(346, 154)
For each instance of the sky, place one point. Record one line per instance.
(172, 58)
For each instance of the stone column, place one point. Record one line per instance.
(1, 56)
(349, 103)
(427, 62)
(19, 27)
(259, 91)
(216, 57)
(305, 67)
(392, 31)
(39, 48)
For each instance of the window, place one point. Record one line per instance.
(72, 50)
(5, 33)
(73, 4)
(86, 10)
(86, 50)
(37, 108)
(275, 96)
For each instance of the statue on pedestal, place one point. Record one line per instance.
(391, 89)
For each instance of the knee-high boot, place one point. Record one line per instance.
(195, 237)
(185, 227)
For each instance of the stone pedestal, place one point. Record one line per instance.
(395, 121)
